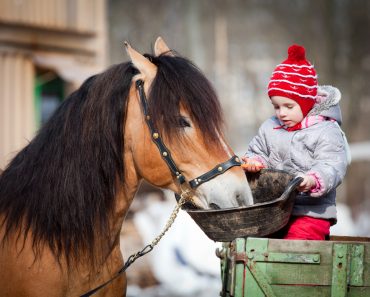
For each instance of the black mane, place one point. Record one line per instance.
(61, 186)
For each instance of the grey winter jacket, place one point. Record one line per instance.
(319, 149)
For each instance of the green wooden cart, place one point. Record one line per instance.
(254, 267)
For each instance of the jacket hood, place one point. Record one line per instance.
(327, 103)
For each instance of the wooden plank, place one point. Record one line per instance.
(251, 286)
(357, 265)
(301, 291)
(366, 265)
(261, 279)
(307, 274)
(311, 291)
(340, 264)
(358, 292)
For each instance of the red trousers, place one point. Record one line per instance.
(307, 228)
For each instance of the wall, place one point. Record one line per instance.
(67, 37)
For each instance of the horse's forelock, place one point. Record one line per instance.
(179, 81)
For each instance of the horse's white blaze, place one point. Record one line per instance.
(225, 191)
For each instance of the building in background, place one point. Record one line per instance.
(47, 48)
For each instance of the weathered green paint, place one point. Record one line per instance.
(339, 278)
(254, 246)
(261, 279)
(288, 258)
(357, 265)
(257, 256)
(274, 267)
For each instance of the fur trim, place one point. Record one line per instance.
(327, 96)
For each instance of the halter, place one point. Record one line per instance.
(166, 155)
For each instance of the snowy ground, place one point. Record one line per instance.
(184, 262)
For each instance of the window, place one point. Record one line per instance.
(49, 93)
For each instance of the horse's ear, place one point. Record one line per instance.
(160, 47)
(147, 69)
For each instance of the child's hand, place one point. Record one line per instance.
(251, 165)
(307, 184)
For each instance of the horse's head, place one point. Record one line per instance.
(173, 132)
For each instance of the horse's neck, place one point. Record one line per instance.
(125, 195)
(123, 202)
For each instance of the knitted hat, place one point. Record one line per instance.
(296, 79)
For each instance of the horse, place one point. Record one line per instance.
(64, 196)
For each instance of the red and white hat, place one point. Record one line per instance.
(296, 79)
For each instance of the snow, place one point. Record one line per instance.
(184, 261)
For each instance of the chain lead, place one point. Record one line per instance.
(185, 195)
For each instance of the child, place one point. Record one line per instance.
(304, 139)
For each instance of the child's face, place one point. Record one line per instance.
(287, 110)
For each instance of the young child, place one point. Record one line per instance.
(304, 139)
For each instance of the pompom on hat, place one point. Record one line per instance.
(296, 79)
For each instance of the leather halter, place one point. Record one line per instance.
(166, 155)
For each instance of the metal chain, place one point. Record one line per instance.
(148, 248)
(172, 218)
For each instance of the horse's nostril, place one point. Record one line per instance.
(214, 206)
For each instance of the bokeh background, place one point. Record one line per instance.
(49, 47)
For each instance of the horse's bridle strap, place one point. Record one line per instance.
(219, 169)
(165, 153)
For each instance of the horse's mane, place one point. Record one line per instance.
(62, 186)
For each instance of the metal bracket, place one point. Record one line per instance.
(339, 276)
(260, 278)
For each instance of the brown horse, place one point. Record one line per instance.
(63, 198)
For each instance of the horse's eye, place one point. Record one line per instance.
(183, 123)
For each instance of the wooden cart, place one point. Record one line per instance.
(254, 267)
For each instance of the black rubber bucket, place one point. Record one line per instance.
(273, 192)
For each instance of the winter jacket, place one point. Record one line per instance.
(319, 150)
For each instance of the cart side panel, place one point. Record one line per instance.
(276, 267)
